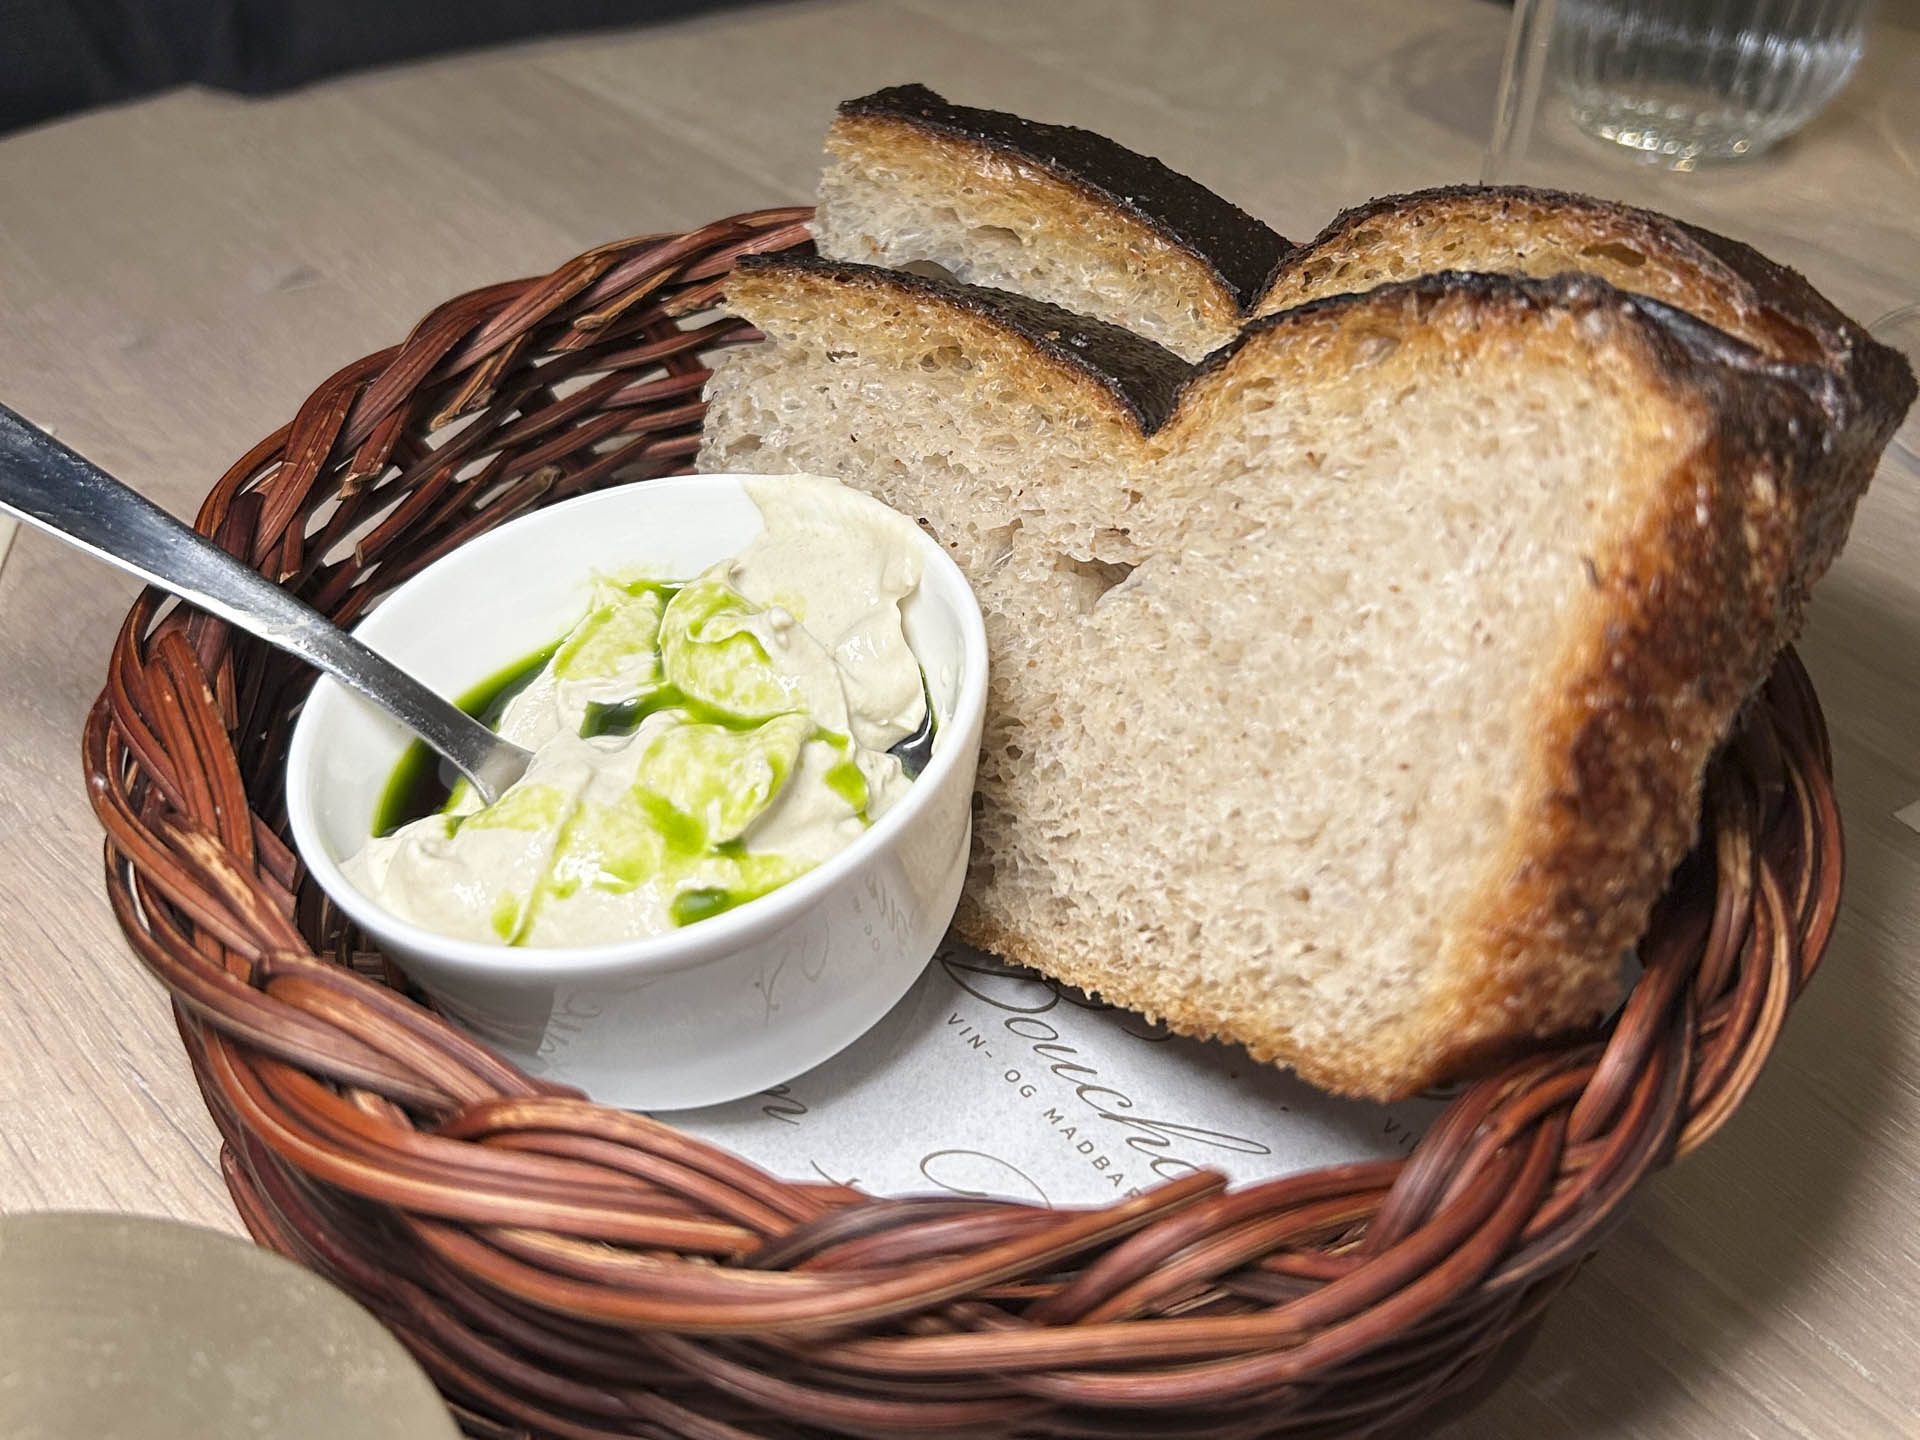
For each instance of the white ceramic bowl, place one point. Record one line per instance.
(725, 1007)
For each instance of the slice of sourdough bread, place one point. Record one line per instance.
(1358, 712)
(1024, 414)
(1520, 231)
(1050, 211)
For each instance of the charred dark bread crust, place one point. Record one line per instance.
(1862, 399)
(1686, 615)
(1774, 310)
(1724, 267)
(1876, 382)
(1144, 380)
(1768, 305)
(1238, 249)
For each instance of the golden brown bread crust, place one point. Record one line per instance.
(1139, 378)
(1686, 613)
(1238, 250)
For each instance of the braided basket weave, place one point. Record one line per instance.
(564, 1269)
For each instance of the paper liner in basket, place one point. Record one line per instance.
(991, 1080)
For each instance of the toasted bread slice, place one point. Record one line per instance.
(1050, 211)
(1357, 713)
(1008, 373)
(1516, 230)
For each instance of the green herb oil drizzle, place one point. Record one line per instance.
(422, 783)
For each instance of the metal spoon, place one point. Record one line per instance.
(50, 486)
(916, 750)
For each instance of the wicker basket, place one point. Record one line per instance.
(570, 1270)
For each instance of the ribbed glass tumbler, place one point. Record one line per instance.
(1685, 81)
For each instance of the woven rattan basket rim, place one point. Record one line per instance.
(565, 1269)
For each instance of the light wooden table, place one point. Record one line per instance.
(175, 276)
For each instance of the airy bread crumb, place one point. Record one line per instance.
(1049, 211)
(1358, 713)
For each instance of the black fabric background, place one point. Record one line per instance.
(58, 56)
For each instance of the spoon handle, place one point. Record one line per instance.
(67, 495)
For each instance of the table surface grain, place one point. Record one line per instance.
(176, 275)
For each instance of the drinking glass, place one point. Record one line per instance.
(1686, 81)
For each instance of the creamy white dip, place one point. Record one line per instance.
(695, 745)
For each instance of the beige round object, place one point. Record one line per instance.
(118, 1325)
